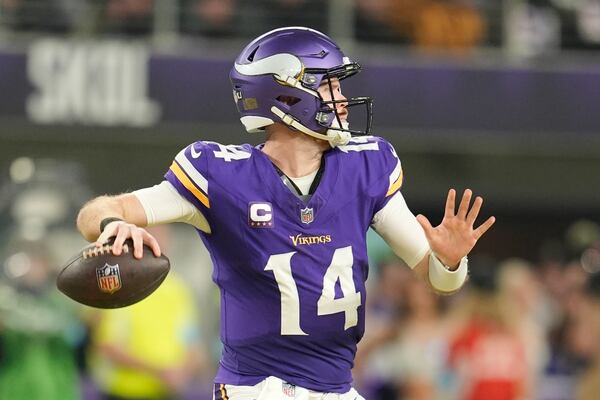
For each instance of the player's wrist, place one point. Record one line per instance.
(444, 279)
(449, 265)
(104, 223)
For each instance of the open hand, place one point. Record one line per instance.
(455, 236)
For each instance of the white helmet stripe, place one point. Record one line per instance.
(282, 64)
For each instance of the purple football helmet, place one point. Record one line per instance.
(276, 77)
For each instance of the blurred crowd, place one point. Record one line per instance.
(520, 329)
(52, 348)
(523, 27)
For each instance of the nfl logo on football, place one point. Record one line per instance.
(109, 278)
(306, 215)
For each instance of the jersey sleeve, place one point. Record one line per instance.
(397, 225)
(388, 175)
(163, 204)
(189, 175)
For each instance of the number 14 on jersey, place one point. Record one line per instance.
(339, 269)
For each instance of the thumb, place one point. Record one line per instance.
(425, 224)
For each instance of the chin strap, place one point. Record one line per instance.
(333, 136)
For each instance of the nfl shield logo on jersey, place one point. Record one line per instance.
(306, 215)
(109, 278)
(288, 389)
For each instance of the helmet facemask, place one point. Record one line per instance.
(342, 72)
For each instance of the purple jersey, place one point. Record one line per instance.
(291, 275)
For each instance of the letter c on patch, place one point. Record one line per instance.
(261, 212)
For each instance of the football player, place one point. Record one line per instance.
(286, 221)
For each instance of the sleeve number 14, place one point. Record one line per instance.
(340, 268)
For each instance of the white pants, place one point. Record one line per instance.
(273, 388)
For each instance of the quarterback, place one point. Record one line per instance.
(285, 222)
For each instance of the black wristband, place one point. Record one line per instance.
(107, 221)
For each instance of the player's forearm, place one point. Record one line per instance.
(421, 270)
(125, 206)
(92, 213)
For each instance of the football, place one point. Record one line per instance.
(97, 278)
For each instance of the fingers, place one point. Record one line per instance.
(109, 231)
(103, 238)
(138, 243)
(153, 243)
(479, 232)
(122, 234)
(472, 215)
(122, 231)
(424, 222)
(464, 204)
(450, 203)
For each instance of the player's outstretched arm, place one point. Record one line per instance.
(436, 255)
(129, 210)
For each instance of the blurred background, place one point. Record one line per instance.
(501, 96)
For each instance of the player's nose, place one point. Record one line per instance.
(342, 107)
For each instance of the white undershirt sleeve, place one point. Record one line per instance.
(163, 204)
(397, 225)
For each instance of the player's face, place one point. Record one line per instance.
(327, 95)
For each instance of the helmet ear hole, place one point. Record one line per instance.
(288, 100)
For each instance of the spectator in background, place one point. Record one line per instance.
(130, 17)
(387, 20)
(35, 15)
(588, 386)
(405, 324)
(423, 337)
(221, 18)
(386, 308)
(488, 353)
(449, 26)
(256, 16)
(573, 341)
(533, 29)
(277, 13)
(209, 17)
(150, 350)
(455, 26)
(523, 294)
(569, 340)
(39, 328)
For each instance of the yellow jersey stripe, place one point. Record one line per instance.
(395, 186)
(224, 392)
(395, 173)
(189, 185)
